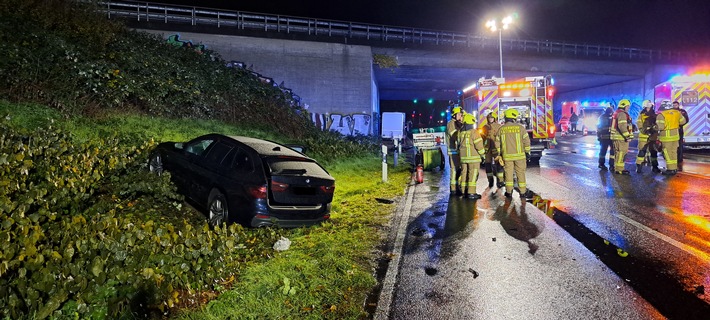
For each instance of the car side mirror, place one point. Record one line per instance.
(178, 145)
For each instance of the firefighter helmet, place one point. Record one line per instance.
(624, 103)
(492, 114)
(455, 110)
(511, 114)
(647, 104)
(468, 119)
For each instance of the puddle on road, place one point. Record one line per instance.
(646, 276)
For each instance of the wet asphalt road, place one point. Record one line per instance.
(592, 245)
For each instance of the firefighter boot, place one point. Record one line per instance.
(639, 168)
(670, 172)
(490, 182)
(500, 183)
(655, 169)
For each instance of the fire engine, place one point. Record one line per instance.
(693, 93)
(531, 96)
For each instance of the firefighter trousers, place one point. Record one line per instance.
(518, 168)
(650, 148)
(606, 145)
(455, 171)
(469, 176)
(621, 148)
(670, 153)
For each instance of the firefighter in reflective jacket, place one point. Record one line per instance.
(648, 135)
(513, 147)
(471, 152)
(620, 135)
(490, 130)
(668, 122)
(452, 131)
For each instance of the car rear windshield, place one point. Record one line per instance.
(291, 166)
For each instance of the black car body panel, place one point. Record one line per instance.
(264, 182)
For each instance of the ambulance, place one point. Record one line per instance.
(693, 93)
(588, 113)
(531, 96)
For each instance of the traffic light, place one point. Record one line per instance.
(443, 113)
(431, 101)
(415, 100)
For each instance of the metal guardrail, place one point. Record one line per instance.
(197, 16)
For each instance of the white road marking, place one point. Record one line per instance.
(682, 246)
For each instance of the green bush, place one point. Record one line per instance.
(87, 231)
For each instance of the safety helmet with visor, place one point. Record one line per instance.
(511, 114)
(624, 103)
(469, 119)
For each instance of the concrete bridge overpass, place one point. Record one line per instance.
(329, 64)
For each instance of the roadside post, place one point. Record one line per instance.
(396, 151)
(384, 163)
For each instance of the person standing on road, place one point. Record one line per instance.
(669, 122)
(490, 130)
(471, 151)
(620, 135)
(573, 119)
(681, 142)
(604, 137)
(513, 147)
(648, 135)
(452, 131)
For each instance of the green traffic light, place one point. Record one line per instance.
(443, 113)
(415, 100)
(431, 100)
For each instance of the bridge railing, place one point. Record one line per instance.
(197, 16)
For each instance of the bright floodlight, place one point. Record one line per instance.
(507, 20)
(491, 24)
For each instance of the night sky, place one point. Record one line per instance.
(652, 24)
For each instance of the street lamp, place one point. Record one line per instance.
(493, 26)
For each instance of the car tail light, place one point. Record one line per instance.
(326, 217)
(278, 186)
(328, 189)
(257, 192)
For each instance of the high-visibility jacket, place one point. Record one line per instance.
(512, 141)
(490, 131)
(648, 131)
(668, 122)
(470, 146)
(620, 128)
(452, 131)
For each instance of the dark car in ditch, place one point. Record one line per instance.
(246, 180)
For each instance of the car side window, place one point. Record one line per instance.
(198, 147)
(218, 151)
(242, 162)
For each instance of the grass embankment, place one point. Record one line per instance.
(329, 269)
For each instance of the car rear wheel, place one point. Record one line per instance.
(155, 164)
(218, 209)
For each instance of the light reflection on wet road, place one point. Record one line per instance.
(657, 229)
